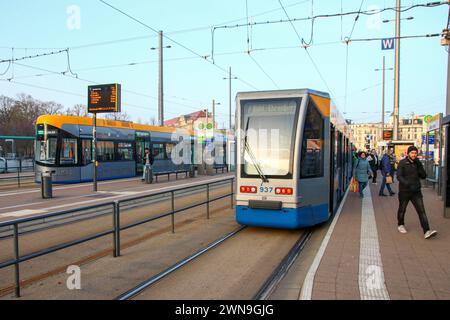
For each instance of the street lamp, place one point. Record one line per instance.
(160, 81)
(382, 96)
(397, 66)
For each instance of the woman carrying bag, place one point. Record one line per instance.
(362, 172)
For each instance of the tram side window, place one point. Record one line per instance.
(169, 148)
(105, 150)
(46, 150)
(312, 162)
(87, 151)
(158, 151)
(125, 151)
(69, 151)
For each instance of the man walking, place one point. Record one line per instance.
(409, 173)
(386, 172)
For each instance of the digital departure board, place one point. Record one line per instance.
(104, 98)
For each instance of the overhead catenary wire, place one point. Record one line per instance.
(347, 41)
(263, 71)
(176, 42)
(306, 50)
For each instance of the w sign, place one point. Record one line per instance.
(387, 44)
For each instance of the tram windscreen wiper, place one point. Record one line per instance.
(252, 156)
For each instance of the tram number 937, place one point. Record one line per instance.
(265, 189)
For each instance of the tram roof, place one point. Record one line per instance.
(59, 120)
(287, 91)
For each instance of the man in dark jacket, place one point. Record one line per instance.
(385, 168)
(409, 173)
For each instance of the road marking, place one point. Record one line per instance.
(371, 275)
(124, 193)
(308, 284)
(68, 187)
(150, 192)
(21, 205)
(25, 212)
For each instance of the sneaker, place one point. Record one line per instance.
(392, 194)
(402, 229)
(382, 195)
(430, 233)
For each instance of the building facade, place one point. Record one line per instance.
(369, 135)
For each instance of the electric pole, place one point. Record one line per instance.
(383, 69)
(160, 82)
(229, 93)
(397, 72)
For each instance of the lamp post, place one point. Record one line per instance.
(397, 67)
(382, 97)
(160, 80)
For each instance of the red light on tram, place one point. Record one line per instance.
(247, 189)
(284, 191)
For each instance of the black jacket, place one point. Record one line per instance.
(152, 159)
(409, 174)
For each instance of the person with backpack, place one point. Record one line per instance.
(410, 171)
(362, 172)
(385, 168)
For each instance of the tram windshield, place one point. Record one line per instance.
(269, 127)
(46, 142)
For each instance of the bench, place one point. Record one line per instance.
(168, 173)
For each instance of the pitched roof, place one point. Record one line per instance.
(191, 116)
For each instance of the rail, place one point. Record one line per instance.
(17, 179)
(115, 231)
(5, 168)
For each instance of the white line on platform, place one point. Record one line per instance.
(308, 284)
(149, 192)
(25, 212)
(371, 275)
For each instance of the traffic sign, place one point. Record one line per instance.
(387, 44)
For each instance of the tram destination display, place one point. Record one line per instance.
(104, 98)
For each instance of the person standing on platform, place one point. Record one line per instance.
(148, 162)
(410, 171)
(386, 172)
(362, 172)
(373, 161)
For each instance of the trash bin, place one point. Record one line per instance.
(192, 171)
(148, 174)
(46, 184)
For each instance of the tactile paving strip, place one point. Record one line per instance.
(371, 276)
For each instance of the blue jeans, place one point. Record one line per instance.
(361, 187)
(383, 185)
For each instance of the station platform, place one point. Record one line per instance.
(360, 255)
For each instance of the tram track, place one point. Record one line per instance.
(154, 279)
(50, 223)
(283, 268)
(173, 284)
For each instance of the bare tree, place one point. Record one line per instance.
(78, 110)
(122, 116)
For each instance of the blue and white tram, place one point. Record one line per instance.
(293, 158)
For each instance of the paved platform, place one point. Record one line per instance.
(360, 255)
